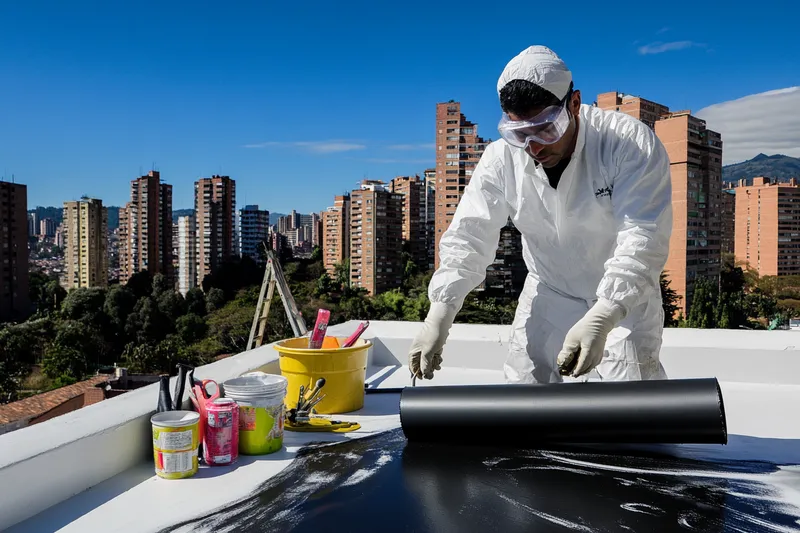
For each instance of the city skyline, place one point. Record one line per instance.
(244, 103)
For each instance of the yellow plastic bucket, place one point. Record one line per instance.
(344, 370)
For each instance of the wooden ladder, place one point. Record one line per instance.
(273, 277)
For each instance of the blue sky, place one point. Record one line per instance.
(299, 101)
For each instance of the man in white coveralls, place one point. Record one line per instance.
(590, 192)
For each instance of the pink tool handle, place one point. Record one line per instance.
(318, 335)
(351, 340)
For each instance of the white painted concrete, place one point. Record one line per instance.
(107, 448)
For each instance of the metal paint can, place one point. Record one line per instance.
(221, 438)
(176, 437)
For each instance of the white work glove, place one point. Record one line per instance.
(586, 340)
(425, 354)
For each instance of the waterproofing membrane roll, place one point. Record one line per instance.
(688, 411)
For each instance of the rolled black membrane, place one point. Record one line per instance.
(677, 411)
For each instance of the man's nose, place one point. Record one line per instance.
(535, 148)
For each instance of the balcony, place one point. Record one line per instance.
(91, 469)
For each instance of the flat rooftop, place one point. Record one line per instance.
(92, 469)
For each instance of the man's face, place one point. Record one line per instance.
(549, 155)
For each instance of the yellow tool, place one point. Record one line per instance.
(322, 424)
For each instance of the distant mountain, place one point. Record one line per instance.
(778, 166)
(177, 213)
(54, 213)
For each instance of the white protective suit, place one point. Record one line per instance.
(603, 233)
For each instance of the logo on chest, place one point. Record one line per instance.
(603, 192)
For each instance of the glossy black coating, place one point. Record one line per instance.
(663, 411)
(384, 484)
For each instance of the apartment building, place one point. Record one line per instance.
(768, 226)
(187, 254)
(430, 216)
(336, 231)
(458, 150)
(86, 252)
(727, 221)
(376, 232)
(145, 229)
(253, 231)
(695, 154)
(14, 301)
(214, 205)
(413, 191)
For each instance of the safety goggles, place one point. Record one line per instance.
(545, 128)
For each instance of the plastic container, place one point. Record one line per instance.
(344, 370)
(261, 411)
(176, 437)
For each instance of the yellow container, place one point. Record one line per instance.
(344, 370)
(176, 438)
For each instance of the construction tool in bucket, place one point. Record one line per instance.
(302, 417)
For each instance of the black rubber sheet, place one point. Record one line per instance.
(385, 484)
(665, 411)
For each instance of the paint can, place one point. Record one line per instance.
(176, 437)
(261, 410)
(221, 434)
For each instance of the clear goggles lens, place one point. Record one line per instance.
(545, 128)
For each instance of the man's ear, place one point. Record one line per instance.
(575, 103)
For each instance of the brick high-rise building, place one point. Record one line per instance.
(253, 231)
(727, 221)
(430, 216)
(413, 191)
(86, 253)
(695, 155)
(336, 234)
(145, 229)
(187, 254)
(768, 226)
(376, 232)
(458, 150)
(214, 205)
(14, 301)
(644, 110)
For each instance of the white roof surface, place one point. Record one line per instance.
(92, 470)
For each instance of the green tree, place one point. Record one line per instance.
(196, 301)
(191, 328)
(160, 286)
(172, 305)
(14, 352)
(147, 324)
(141, 284)
(77, 350)
(342, 270)
(324, 285)
(119, 304)
(215, 299)
(230, 325)
(85, 305)
(669, 301)
(316, 254)
(702, 313)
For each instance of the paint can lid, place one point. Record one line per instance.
(222, 402)
(172, 419)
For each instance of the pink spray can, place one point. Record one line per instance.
(221, 435)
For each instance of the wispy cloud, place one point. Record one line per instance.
(408, 147)
(659, 47)
(665, 29)
(317, 147)
(758, 123)
(389, 160)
